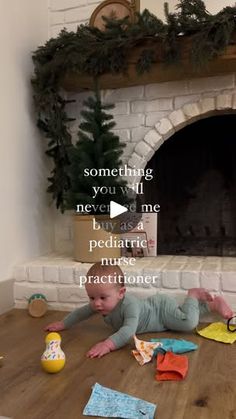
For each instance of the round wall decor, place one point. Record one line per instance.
(117, 9)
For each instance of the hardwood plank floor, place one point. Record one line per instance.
(27, 392)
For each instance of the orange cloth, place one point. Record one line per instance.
(171, 366)
(144, 350)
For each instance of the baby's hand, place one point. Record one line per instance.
(55, 327)
(101, 348)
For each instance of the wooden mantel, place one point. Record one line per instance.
(159, 72)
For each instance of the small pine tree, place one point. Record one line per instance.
(97, 148)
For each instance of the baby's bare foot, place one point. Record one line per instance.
(220, 306)
(200, 294)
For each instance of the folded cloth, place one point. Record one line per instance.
(178, 346)
(171, 367)
(218, 331)
(106, 402)
(144, 350)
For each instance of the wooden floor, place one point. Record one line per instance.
(27, 392)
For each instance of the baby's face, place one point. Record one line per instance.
(104, 297)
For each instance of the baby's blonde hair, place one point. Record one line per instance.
(114, 272)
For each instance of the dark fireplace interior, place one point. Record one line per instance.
(195, 185)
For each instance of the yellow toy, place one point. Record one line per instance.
(53, 358)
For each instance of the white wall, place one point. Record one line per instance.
(25, 220)
(157, 7)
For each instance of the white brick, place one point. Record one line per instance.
(210, 94)
(56, 18)
(79, 14)
(152, 106)
(126, 93)
(179, 259)
(80, 272)
(212, 264)
(211, 83)
(210, 280)
(156, 283)
(121, 108)
(22, 304)
(165, 259)
(66, 4)
(172, 265)
(24, 292)
(21, 273)
(138, 133)
(156, 276)
(137, 161)
(128, 150)
(153, 117)
(160, 262)
(171, 279)
(224, 101)
(229, 267)
(132, 273)
(35, 273)
(207, 105)
(154, 139)
(180, 101)
(129, 121)
(123, 134)
(214, 259)
(72, 294)
(167, 89)
(165, 128)
(229, 281)
(189, 279)
(192, 267)
(231, 300)
(177, 119)
(51, 274)
(144, 150)
(66, 274)
(191, 111)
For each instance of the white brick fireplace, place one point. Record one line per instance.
(146, 117)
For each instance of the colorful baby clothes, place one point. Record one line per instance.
(218, 331)
(109, 403)
(178, 346)
(171, 367)
(144, 350)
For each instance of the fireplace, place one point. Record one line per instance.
(195, 185)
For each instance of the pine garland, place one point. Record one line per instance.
(94, 52)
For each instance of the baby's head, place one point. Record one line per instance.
(105, 287)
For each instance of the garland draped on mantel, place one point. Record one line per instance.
(93, 52)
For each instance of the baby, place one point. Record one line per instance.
(128, 315)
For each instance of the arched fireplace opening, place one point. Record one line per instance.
(195, 185)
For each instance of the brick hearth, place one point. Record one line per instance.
(57, 277)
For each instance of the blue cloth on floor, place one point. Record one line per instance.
(178, 346)
(110, 403)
